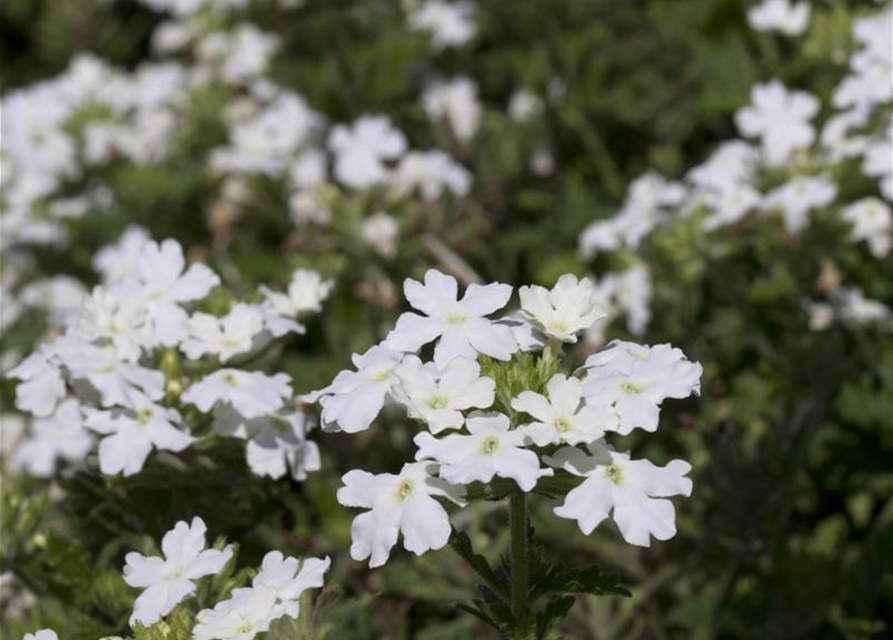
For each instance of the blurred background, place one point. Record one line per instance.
(539, 137)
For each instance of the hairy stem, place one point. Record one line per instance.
(520, 557)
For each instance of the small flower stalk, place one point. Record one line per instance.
(501, 418)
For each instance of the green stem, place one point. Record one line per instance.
(520, 557)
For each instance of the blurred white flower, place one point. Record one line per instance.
(781, 119)
(224, 337)
(872, 221)
(60, 436)
(797, 197)
(456, 102)
(380, 231)
(251, 393)
(131, 434)
(362, 149)
(524, 105)
(783, 16)
(169, 580)
(431, 173)
(451, 23)
(118, 260)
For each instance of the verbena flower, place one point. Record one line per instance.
(633, 489)
(131, 434)
(60, 435)
(571, 306)
(635, 380)
(439, 397)
(355, 398)
(563, 417)
(251, 393)
(402, 503)
(783, 16)
(491, 449)
(224, 337)
(461, 325)
(362, 149)
(797, 197)
(169, 580)
(780, 118)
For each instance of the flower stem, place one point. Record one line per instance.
(520, 558)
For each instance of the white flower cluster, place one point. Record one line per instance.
(466, 441)
(789, 167)
(170, 579)
(117, 371)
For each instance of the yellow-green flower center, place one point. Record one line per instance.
(614, 473)
(489, 445)
(563, 425)
(455, 317)
(144, 415)
(403, 490)
(438, 402)
(632, 387)
(230, 379)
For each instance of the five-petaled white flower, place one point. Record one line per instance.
(570, 307)
(251, 393)
(636, 379)
(224, 337)
(563, 417)
(780, 118)
(632, 488)
(403, 503)
(282, 574)
(169, 580)
(797, 197)
(119, 323)
(872, 221)
(118, 382)
(306, 293)
(490, 449)
(355, 398)
(161, 284)
(439, 397)
(246, 613)
(461, 325)
(131, 434)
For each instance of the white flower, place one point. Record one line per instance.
(450, 23)
(457, 103)
(872, 221)
(837, 138)
(729, 205)
(118, 260)
(878, 161)
(569, 308)
(491, 449)
(42, 634)
(797, 197)
(282, 575)
(403, 503)
(732, 164)
(224, 337)
(635, 379)
(632, 488)
(431, 173)
(133, 433)
(117, 382)
(439, 397)
(788, 18)
(162, 285)
(354, 398)
(251, 393)
(524, 105)
(306, 292)
(277, 442)
(563, 417)
(274, 593)
(42, 385)
(380, 231)
(857, 310)
(780, 118)
(58, 436)
(361, 150)
(169, 580)
(461, 325)
(119, 323)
